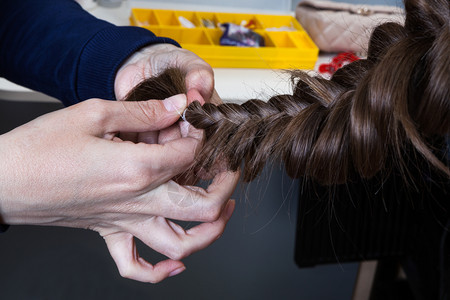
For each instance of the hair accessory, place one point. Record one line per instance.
(344, 58)
(337, 62)
(183, 115)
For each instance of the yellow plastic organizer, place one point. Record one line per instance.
(284, 49)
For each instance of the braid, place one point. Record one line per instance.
(362, 121)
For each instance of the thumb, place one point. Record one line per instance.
(141, 116)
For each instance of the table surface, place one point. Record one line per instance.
(231, 84)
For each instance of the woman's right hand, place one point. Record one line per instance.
(70, 168)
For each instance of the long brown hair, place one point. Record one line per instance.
(374, 115)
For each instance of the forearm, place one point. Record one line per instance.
(59, 49)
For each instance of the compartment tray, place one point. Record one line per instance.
(287, 45)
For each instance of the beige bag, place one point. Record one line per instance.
(343, 27)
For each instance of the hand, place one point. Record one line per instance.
(154, 59)
(69, 168)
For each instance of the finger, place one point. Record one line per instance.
(191, 203)
(179, 130)
(203, 235)
(194, 95)
(200, 77)
(134, 116)
(123, 250)
(222, 183)
(169, 134)
(164, 161)
(149, 137)
(149, 165)
(127, 77)
(172, 240)
(173, 132)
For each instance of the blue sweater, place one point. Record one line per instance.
(58, 48)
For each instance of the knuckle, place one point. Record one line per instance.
(154, 280)
(212, 214)
(177, 252)
(95, 110)
(149, 109)
(126, 272)
(137, 181)
(203, 75)
(182, 54)
(137, 184)
(134, 176)
(145, 112)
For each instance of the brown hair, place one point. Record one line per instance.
(372, 116)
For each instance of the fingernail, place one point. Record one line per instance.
(177, 271)
(175, 103)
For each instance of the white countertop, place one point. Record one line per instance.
(231, 84)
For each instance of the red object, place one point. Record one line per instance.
(251, 24)
(337, 62)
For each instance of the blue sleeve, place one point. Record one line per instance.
(58, 48)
